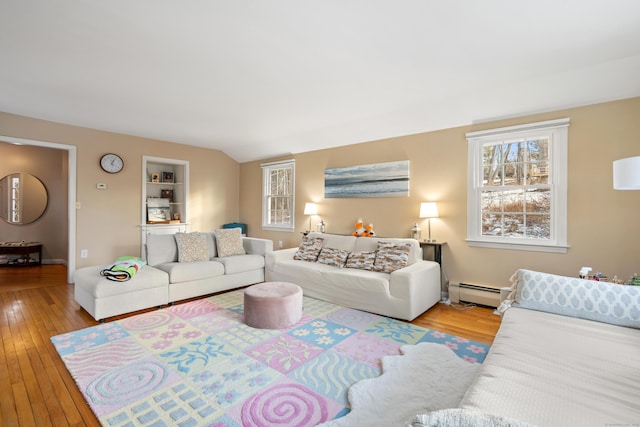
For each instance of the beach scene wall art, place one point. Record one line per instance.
(389, 179)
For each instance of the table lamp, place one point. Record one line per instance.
(310, 209)
(429, 210)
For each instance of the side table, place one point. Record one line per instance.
(437, 256)
(437, 250)
(24, 251)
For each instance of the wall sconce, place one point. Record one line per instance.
(626, 174)
(429, 210)
(310, 209)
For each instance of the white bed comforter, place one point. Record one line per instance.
(553, 370)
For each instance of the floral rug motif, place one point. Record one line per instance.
(198, 364)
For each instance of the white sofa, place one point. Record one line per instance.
(567, 354)
(404, 294)
(165, 280)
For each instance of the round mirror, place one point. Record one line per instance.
(23, 198)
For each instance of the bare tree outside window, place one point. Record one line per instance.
(517, 187)
(278, 180)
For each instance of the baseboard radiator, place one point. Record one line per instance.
(477, 294)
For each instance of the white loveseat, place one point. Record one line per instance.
(404, 293)
(567, 354)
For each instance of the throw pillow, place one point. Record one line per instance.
(229, 242)
(585, 299)
(333, 257)
(464, 418)
(192, 247)
(309, 249)
(363, 260)
(391, 256)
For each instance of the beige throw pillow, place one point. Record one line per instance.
(391, 256)
(192, 247)
(229, 242)
(333, 257)
(363, 260)
(309, 249)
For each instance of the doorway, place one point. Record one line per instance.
(71, 191)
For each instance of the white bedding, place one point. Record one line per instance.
(553, 370)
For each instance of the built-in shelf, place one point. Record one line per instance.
(164, 178)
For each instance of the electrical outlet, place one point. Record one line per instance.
(84, 253)
(279, 244)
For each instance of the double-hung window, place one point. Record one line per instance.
(517, 189)
(278, 184)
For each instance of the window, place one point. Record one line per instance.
(517, 192)
(278, 183)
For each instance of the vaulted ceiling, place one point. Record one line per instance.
(257, 79)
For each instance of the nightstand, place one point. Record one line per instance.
(437, 250)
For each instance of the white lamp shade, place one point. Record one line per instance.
(429, 210)
(626, 174)
(310, 208)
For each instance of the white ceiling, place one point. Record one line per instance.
(257, 79)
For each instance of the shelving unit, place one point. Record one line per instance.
(155, 171)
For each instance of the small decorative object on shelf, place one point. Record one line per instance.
(415, 232)
(155, 177)
(167, 177)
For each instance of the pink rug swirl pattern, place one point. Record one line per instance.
(198, 364)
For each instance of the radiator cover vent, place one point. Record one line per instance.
(477, 294)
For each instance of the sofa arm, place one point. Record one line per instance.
(253, 245)
(274, 257)
(420, 281)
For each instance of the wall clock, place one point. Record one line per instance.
(111, 163)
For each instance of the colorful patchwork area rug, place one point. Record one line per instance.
(198, 364)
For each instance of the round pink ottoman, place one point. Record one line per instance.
(272, 305)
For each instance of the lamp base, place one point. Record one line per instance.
(430, 240)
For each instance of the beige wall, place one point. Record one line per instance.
(108, 220)
(604, 229)
(47, 165)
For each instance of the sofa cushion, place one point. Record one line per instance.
(586, 299)
(391, 256)
(161, 248)
(241, 263)
(229, 242)
(333, 256)
(363, 260)
(336, 241)
(196, 270)
(309, 249)
(192, 247)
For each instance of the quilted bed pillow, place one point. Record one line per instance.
(585, 299)
(333, 257)
(229, 242)
(391, 256)
(309, 249)
(192, 247)
(362, 260)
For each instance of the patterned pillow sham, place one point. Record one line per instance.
(391, 256)
(585, 299)
(333, 257)
(362, 260)
(309, 249)
(192, 247)
(229, 242)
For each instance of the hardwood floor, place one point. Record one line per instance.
(37, 390)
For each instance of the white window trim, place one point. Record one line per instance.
(266, 167)
(558, 130)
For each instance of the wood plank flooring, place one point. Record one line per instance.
(37, 390)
